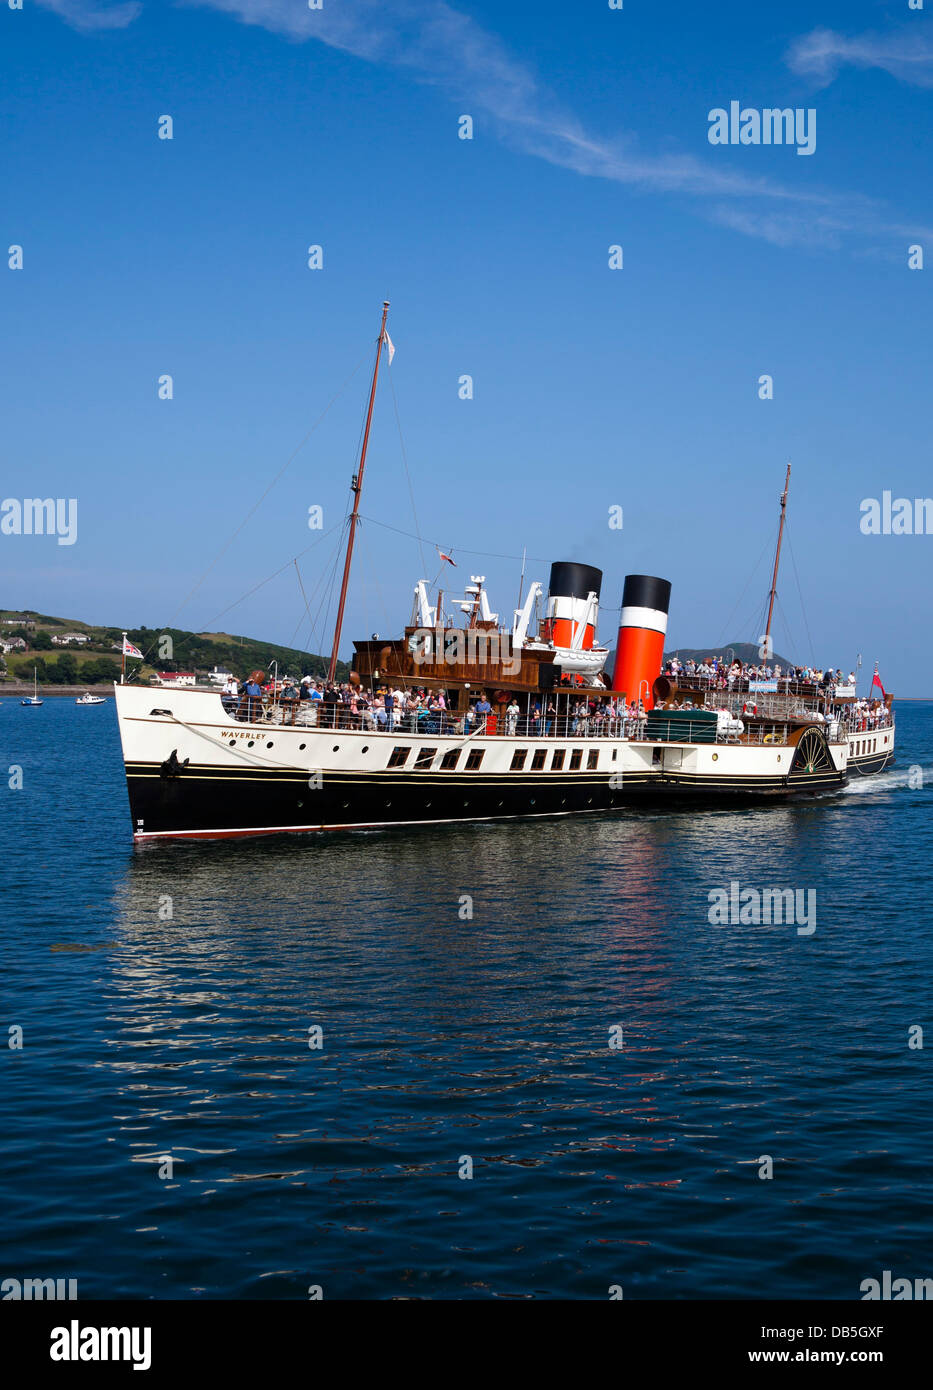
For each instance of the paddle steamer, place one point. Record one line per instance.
(562, 736)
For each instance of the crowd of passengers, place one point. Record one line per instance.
(387, 708)
(724, 675)
(419, 709)
(717, 674)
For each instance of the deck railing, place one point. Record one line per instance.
(722, 681)
(429, 723)
(758, 729)
(868, 724)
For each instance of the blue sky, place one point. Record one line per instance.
(592, 387)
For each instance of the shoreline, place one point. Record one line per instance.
(49, 692)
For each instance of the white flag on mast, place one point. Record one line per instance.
(389, 344)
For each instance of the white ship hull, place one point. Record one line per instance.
(195, 770)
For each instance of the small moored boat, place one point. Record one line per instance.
(33, 699)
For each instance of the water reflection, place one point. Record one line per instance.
(187, 1035)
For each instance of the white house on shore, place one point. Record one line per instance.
(176, 677)
(71, 639)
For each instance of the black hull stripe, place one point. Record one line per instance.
(410, 822)
(199, 807)
(449, 782)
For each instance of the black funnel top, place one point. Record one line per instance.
(646, 591)
(571, 580)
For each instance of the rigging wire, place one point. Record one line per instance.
(486, 554)
(743, 593)
(263, 497)
(376, 588)
(762, 617)
(294, 560)
(791, 645)
(307, 611)
(803, 608)
(263, 582)
(185, 641)
(325, 593)
(328, 594)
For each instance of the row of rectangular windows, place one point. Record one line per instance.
(399, 757)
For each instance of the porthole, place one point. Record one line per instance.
(715, 757)
(427, 804)
(336, 748)
(531, 802)
(251, 742)
(365, 748)
(779, 757)
(388, 804)
(233, 743)
(300, 804)
(302, 746)
(268, 745)
(345, 805)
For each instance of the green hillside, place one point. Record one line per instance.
(739, 651)
(97, 661)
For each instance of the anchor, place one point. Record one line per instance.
(172, 767)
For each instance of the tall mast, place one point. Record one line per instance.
(777, 558)
(357, 487)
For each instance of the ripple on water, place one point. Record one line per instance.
(448, 1044)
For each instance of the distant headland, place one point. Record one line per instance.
(68, 652)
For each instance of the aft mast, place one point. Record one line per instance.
(766, 643)
(357, 487)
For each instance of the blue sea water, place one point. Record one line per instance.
(448, 1037)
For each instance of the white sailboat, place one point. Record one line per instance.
(33, 699)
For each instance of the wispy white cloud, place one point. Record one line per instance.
(829, 225)
(450, 50)
(95, 14)
(447, 49)
(906, 55)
